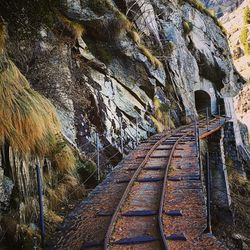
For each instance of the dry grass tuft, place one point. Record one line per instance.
(52, 217)
(3, 35)
(52, 197)
(52, 220)
(28, 120)
(64, 160)
(121, 22)
(135, 36)
(187, 27)
(199, 6)
(76, 29)
(161, 117)
(67, 189)
(153, 60)
(172, 168)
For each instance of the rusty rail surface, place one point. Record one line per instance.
(139, 194)
(133, 179)
(182, 134)
(102, 221)
(130, 184)
(164, 189)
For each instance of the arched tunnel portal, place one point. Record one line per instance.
(202, 101)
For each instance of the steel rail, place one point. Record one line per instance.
(132, 180)
(128, 189)
(136, 174)
(160, 223)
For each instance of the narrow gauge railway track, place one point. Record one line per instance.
(136, 222)
(114, 215)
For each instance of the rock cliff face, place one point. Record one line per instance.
(242, 108)
(107, 64)
(103, 77)
(234, 24)
(222, 7)
(120, 80)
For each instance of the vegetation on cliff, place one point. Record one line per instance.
(99, 56)
(245, 32)
(200, 6)
(30, 134)
(246, 15)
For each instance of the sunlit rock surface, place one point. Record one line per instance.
(108, 84)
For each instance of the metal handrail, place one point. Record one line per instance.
(208, 189)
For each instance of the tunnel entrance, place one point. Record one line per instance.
(202, 101)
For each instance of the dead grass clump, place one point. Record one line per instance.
(52, 197)
(75, 28)
(172, 168)
(239, 184)
(65, 189)
(28, 120)
(153, 60)
(240, 190)
(64, 160)
(187, 27)
(161, 117)
(52, 217)
(135, 36)
(3, 35)
(52, 220)
(121, 22)
(199, 6)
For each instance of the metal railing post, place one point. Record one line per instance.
(207, 118)
(136, 131)
(208, 180)
(169, 120)
(199, 150)
(195, 134)
(98, 157)
(219, 113)
(40, 195)
(121, 127)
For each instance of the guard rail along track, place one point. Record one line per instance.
(164, 204)
(152, 178)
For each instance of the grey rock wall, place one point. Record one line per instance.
(198, 60)
(102, 81)
(6, 186)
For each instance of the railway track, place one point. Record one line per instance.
(137, 222)
(162, 205)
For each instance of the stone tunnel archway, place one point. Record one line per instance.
(202, 100)
(204, 94)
